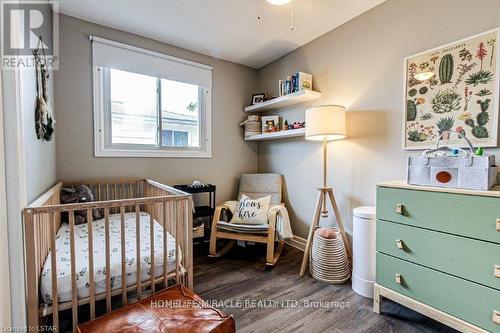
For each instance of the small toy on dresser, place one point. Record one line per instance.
(198, 184)
(453, 167)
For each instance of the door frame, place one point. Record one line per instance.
(5, 304)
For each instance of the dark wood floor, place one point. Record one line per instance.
(241, 275)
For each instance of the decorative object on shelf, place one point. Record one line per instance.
(252, 125)
(44, 120)
(453, 86)
(298, 124)
(285, 126)
(468, 171)
(328, 259)
(270, 124)
(281, 88)
(293, 83)
(325, 123)
(258, 98)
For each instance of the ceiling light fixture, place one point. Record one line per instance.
(278, 3)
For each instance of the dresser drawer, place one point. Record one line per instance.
(459, 214)
(466, 300)
(463, 257)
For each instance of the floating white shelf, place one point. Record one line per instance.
(277, 135)
(283, 101)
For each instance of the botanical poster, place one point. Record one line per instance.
(461, 94)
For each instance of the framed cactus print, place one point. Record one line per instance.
(454, 87)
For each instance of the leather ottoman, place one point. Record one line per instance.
(176, 309)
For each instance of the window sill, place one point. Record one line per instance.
(152, 153)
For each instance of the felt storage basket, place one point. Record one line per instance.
(467, 171)
(328, 261)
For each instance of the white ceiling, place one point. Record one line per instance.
(227, 29)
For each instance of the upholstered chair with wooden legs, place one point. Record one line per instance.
(253, 186)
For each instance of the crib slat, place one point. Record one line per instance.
(108, 255)
(180, 217)
(53, 265)
(138, 249)
(74, 290)
(165, 234)
(189, 237)
(116, 197)
(91, 264)
(152, 246)
(124, 273)
(177, 241)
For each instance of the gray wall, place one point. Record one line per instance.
(232, 85)
(360, 65)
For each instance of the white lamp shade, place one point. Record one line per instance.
(326, 122)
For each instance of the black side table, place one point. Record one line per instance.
(202, 211)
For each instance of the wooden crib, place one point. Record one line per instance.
(169, 207)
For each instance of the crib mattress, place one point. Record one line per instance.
(82, 256)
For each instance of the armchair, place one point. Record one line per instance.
(254, 186)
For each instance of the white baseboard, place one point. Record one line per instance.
(297, 242)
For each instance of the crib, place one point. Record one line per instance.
(70, 269)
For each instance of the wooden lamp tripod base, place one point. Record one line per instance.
(321, 211)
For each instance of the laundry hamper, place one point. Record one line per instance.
(328, 260)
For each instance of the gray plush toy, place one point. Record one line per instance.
(77, 195)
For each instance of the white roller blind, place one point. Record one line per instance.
(108, 53)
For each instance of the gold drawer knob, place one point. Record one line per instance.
(400, 209)
(398, 278)
(399, 244)
(496, 317)
(496, 271)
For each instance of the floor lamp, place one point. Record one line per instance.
(325, 123)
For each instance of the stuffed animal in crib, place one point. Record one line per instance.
(79, 194)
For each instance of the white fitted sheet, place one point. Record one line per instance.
(82, 253)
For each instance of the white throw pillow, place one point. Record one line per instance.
(251, 211)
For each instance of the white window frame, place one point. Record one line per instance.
(102, 125)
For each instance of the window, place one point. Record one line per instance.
(137, 114)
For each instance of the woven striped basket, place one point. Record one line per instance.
(328, 261)
(252, 128)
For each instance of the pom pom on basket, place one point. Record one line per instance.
(328, 260)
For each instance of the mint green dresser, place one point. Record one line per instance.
(438, 252)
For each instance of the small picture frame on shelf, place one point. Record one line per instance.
(270, 124)
(258, 98)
